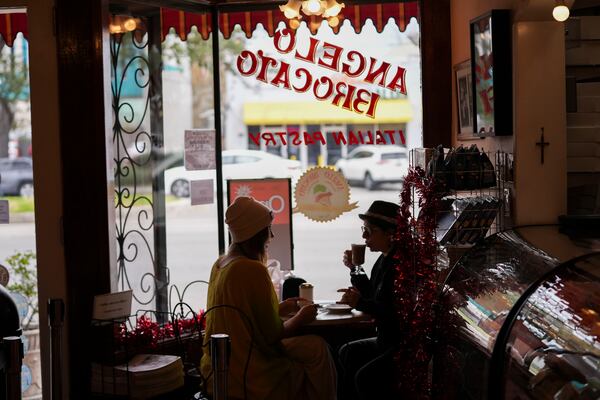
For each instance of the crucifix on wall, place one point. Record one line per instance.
(542, 144)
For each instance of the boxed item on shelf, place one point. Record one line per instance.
(468, 220)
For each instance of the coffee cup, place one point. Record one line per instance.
(358, 254)
(348, 256)
(306, 292)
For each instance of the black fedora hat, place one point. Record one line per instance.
(381, 213)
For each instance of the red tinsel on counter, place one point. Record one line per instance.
(148, 333)
(416, 284)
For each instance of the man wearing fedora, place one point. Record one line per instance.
(367, 365)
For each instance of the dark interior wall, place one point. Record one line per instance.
(436, 70)
(87, 226)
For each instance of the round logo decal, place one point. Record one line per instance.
(322, 194)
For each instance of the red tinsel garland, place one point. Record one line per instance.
(148, 333)
(416, 284)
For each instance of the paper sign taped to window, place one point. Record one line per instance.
(113, 305)
(4, 216)
(199, 149)
(202, 191)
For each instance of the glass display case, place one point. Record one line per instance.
(519, 319)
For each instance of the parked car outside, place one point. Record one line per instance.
(237, 164)
(372, 165)
(16, 177)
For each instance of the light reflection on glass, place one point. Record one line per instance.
(481, 290)
(555, 338)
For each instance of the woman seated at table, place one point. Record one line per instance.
(280, 366)
(367, 365)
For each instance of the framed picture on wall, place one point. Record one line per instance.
(491, 67)
(464, 99)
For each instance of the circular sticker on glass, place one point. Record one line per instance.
(322, 194)
(4, 275)
(26, 377)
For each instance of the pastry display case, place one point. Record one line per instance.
(519, 319)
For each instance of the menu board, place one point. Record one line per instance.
(275, 194)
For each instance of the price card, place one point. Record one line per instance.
(113, 305)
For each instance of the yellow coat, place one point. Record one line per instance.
(246, 285)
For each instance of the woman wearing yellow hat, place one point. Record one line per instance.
(281, 366)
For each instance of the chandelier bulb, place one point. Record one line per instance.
(333, 8)
(324, 8)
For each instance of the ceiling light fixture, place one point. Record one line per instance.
(327, 9)
(560, 11)
(332, 8)
(123, 24)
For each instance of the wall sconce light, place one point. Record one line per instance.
(327, 9)
(123, 24)
(560, 11)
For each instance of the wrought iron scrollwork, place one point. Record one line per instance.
(180, 294)
(132, 143)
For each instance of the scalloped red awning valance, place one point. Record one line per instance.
(11, 24)
(183, 22)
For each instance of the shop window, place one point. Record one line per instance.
(401, 137)
(293, 150)
(18, 260)
(264, 110)
(253, 130)
(276, 145)
(170, 239)
(334, 146)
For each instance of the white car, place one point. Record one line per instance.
(372, 165)
(237, 164)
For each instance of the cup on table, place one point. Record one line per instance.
(306, 292)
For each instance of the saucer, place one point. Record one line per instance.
(338, 308)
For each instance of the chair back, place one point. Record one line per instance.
(291, 287)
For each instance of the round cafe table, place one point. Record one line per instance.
(341, 319)
(338, 328)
